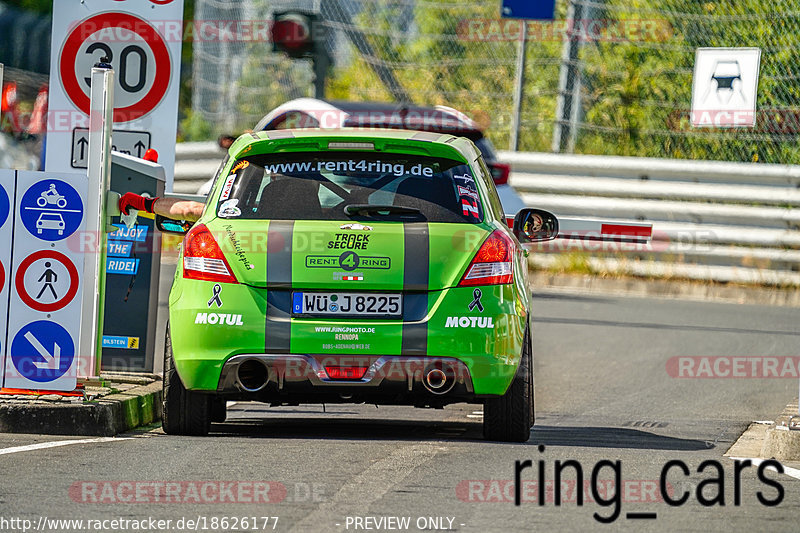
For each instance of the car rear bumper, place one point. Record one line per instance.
(388, 379)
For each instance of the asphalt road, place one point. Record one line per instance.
(602, 393)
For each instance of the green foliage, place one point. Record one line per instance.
(194, 128)
(636, 79)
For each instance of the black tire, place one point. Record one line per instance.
(184, 412)
(219, 409)
(510, 417)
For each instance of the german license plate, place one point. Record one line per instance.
(346, 303)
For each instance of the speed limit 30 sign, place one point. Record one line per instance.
(141, 52)
(130, 34)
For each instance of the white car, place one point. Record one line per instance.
(316, 113)
(52, 221)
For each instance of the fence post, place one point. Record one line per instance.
(519, 89)
(568, 100)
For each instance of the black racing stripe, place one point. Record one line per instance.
(279, 253)
(416, 257)
(278, 332)
(278, 327)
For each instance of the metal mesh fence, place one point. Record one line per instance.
(607, 77)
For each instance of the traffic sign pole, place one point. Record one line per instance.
(101, 107)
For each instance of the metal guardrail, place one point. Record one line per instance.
(726, 222)
(195, 163)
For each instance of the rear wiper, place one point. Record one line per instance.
(372, 209)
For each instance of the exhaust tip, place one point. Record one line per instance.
(439, 378)
(252, 375)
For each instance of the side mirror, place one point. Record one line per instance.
(534, 225)
(167, 225)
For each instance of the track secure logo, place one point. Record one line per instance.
(349, 241)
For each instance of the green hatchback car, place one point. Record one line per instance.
(361, 266)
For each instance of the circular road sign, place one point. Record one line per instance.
(46, 281)
(4, 206)
(42, 351)
(136, 50)
(2, 277)
(51, 210)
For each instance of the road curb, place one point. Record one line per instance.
(781, 442)
(106, 416)
(660, 288)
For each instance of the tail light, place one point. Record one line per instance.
(492, 264)
(346, 372)
(500, 172)
(203, 259)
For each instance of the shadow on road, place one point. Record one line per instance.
(610, 437)
(427, 430)
(348, 429)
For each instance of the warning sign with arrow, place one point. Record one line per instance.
(141, 41)
(134, 143)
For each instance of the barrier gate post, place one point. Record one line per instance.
(99, 169)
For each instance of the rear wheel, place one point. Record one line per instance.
(184, 412)
(510, 417)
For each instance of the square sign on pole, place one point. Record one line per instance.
(529, 9)
(725, 87)
(142, 41)
(44, 319)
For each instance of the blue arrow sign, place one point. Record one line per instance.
(42, 351)
(51, 210)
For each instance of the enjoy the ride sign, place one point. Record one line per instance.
(40, 281)
(141, 39)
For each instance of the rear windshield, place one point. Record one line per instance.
(350, 185)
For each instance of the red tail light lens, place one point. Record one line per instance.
(346, 372)
(500, 172)
(492, 264)
(203, 259)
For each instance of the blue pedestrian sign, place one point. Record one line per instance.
(51, 210)
(42, 351)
